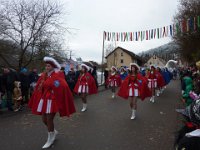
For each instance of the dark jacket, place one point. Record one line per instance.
(33, 77)
(8, 80)
(25, 82)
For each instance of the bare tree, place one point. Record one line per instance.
(189, 41)
(29, 25)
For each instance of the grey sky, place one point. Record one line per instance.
(92, 17)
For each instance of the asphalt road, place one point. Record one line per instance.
(105, 126)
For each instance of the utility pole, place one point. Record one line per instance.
(70, 54)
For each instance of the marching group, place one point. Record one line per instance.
(52, 94)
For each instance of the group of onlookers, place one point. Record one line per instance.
(188, 137)
(17, 87)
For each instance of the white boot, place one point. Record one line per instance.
(133, 114)
(50, 140)
(84, 107)
(153, 99)
(113, 95)
(158, 93)
(55, 133)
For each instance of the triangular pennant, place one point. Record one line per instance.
(160, 33)
(167, 31)
(154, 33)
(188, 25)
(143, 35)
(122, 37)
(136, 38)
(191, 23)
(195, 23)
(198, 21)
(151, 33)
(164, 32)
(138, 35)
(127, 36)
(104, 35)
(171, 30)
(147, 37)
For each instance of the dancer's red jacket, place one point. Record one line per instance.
(143, 88)
(87, 77)
(53, 87)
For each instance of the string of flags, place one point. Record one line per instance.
(185, 26)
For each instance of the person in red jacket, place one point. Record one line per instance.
(114, 80)
(51, 95)
(134, 87)
(85, 85)
(161, 80)
(152, 82)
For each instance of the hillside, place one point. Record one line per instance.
(166, 52)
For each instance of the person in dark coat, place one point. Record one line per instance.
(8, 79)
(94, 74)
(71, 79)
(77, 73)
(1, 93)
(106, 73)
(33, 78)
(25, 84)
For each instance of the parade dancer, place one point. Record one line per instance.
(123, 73)
(152, 82)
(51, 95)
(85, 85)
(162, 83)
(134, 87)
(114, 80)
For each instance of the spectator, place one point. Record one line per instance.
(8, 79)
(106, 73)
(94, 74)
(77, 73)
(33, 78)
(188, 83)
(71, 79)
(1, 93)
(25, 84)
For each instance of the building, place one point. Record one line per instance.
(155, 60)
(121, 57)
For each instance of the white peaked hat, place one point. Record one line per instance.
(113, 68)
(152, 66)
(86, 66)
(136, 65)
(52, 61)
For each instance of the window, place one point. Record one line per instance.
(122, 54)
(122, 61)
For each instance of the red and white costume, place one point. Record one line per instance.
(152, 80)
(86, 84)
(114, 79)
(52, 95)
(134, 86)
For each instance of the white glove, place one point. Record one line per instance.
(195, 133)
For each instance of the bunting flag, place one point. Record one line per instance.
(198, 21)
(184, 26)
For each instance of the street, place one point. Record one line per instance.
(106, 125)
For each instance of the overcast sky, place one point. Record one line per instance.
(92, 17)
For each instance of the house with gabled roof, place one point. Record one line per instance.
(122, 57)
